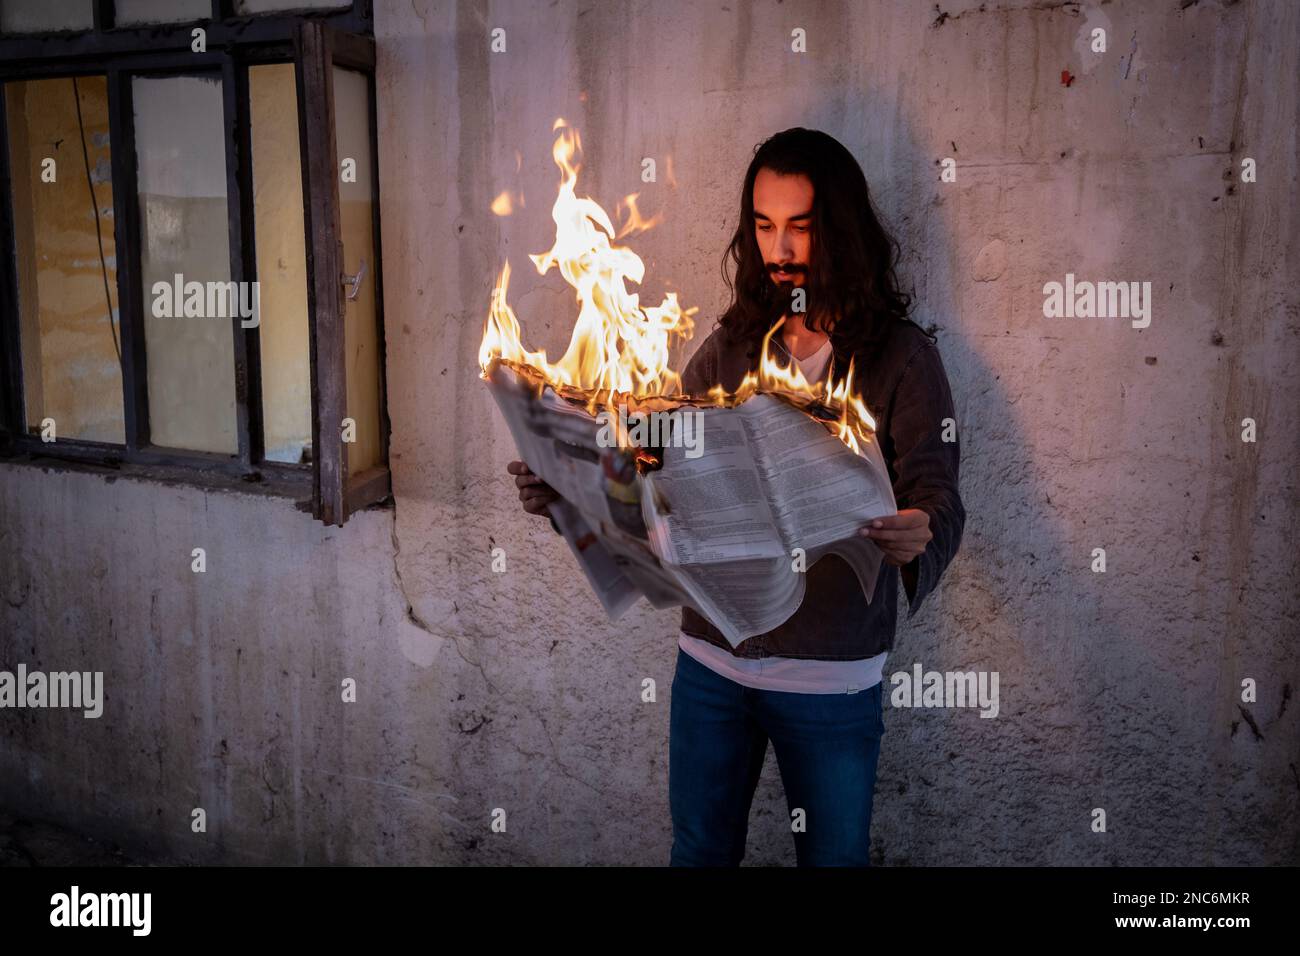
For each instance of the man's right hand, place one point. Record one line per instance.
(534, 494)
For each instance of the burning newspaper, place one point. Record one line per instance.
(720, 532)
(790, 471)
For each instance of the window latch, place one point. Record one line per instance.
(353, 283)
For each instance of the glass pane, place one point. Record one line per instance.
(281, 263)
(185, 262)
(42, 16)
(356, 202)
(66, 315)
(271, 6)
(129, 13)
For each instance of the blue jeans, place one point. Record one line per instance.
(826, 747)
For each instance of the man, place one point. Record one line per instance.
(808, 237)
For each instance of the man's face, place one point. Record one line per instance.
(782, 223)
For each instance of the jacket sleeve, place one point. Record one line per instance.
(926, 467)
(700, 373)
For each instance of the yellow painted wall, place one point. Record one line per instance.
(70, 368)
(281, 261)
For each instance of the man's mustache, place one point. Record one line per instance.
(792, 268)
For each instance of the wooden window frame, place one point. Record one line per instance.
(313, 42)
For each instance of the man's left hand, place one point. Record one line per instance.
(902, 536)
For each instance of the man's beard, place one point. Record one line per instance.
(781, 298)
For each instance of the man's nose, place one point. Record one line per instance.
(784, 247)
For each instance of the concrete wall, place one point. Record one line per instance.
(480, 690)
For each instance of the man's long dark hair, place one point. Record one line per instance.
(851, 268)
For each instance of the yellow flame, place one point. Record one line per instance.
(616, 344)
(635, 223)
(618, 352)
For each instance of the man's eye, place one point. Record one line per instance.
(799, 228)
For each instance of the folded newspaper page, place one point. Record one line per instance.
(724, 532)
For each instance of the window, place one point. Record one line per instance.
(189, 244)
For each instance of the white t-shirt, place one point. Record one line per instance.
(791, 674)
